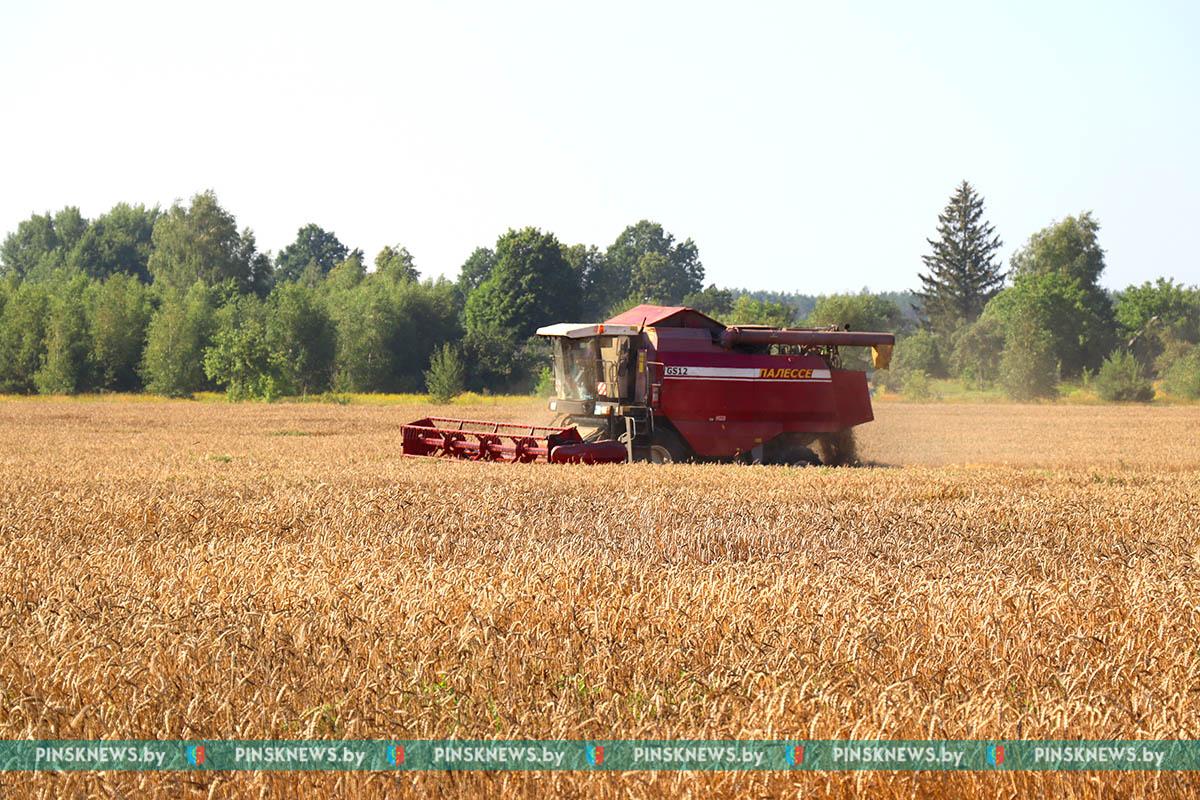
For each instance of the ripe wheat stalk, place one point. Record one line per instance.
(176, 570)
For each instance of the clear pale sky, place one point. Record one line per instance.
(805, 147)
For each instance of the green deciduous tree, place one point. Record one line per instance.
(1070, 247)
(475, 270)
(1028, 365)
(386, 331)
(920, 351)
(118, 242)
(365, 321)
(301, 336)
(492, 356)
(118, 311)
(977, 351)
(857, 312)
(656, 280)
(427, 315)
(1059, 306)
(40, 245)
(347, 274)
(313, 246)
(1173, 307)
(1154, 315)
(201, 242)
(69, 227)
(66, 367)
(397, 264)
(624, 274)
(1069, 252)
(1181, 376)
(588, 263)
(239, 358)
(179, 332)
(717, 303)
(916, 385)
(23, 336)
(531, 285)
(747, 310)
(963, 270)
(24, 248)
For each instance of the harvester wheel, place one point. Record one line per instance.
(838, 449)
(791, 449)
(666, 447)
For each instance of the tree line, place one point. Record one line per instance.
(182, 300)
(1046, 318)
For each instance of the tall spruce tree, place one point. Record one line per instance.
(963, 269)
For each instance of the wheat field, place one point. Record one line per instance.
(185, 570)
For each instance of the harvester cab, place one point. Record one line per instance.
(600, 381)
(666, 383)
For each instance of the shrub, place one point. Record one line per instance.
(977, 351)
(1120, 379)
(890, 379)
(545, 383)
(920, 352)
(1182, 376)
(1028, 368)
(444, 379)
(917, 386)
(337, 398)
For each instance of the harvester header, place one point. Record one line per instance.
(670, 383)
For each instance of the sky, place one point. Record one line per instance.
(805, 147)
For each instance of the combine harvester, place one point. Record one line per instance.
(664, 384)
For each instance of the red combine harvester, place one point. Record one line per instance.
(664, 383)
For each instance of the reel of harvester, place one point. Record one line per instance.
(478, 440)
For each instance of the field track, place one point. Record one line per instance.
(192, 570)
